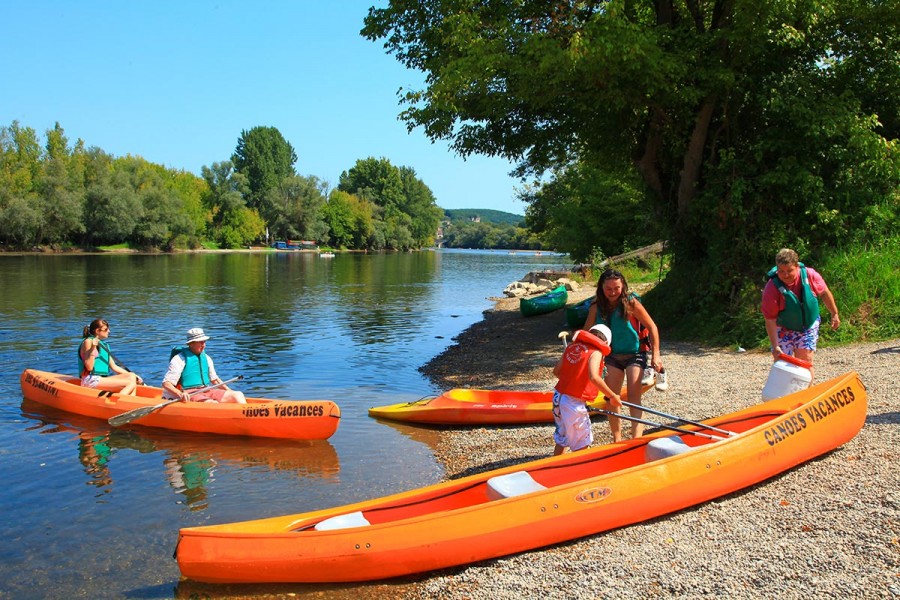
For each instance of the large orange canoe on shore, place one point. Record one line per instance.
(463, 406)
(260, 417)
(532, 504)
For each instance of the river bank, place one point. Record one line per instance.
(827, 528)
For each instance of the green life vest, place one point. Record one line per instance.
(799, 313)
(196, 368)
(101, 361)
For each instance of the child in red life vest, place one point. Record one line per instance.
(580, 372)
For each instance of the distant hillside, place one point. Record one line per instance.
(486, 215)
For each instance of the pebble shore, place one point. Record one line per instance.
(826, 529)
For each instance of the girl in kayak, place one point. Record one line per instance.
(97, 367)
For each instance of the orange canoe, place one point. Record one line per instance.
(462, 406)
(260, 417)
(532, 504)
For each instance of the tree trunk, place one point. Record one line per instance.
(693, 158)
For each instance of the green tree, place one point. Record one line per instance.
(750, 124)
(232, 223)
(163, 224)
(20, 167)
(61, 192)
(300, 201)
(420, 205)
(407, 211)
(112, 210)
(350, 220)
(565, 212)
(375, 179)
(266, 159)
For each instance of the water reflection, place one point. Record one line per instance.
(354, 329)
(189, 460)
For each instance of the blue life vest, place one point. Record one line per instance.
(101, 361)
(196, 368)
(801, 313)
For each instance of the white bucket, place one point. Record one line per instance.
(788, 375)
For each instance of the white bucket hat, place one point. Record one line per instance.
(603, 331)
(196, 335)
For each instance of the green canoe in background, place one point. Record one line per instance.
(552, 300)
(577, 314)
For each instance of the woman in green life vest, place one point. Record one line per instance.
(96, 366)
(790, 306)
(620, 310)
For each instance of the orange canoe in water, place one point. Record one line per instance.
(462, 406)
(532, 504)
(260, 417)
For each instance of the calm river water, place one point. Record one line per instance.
(91, 512)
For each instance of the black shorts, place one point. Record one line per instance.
(621, 361)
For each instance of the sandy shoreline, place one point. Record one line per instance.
(827, 528)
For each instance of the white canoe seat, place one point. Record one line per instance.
(665, 447)
(512, 484)
(354, 519)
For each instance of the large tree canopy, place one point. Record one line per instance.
(409, 214)
(751, 124)
(266, 159)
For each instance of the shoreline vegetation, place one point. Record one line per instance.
(825, 528)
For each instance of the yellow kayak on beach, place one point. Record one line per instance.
(462, 406)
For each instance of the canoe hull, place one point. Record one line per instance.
(463, 406)
(545, 303)
(260, 417)
(587, 492)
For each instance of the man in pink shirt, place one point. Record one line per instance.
(790, 306)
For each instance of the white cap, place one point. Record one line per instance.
(196, 335)
(603, 331)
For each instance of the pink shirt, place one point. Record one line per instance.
(773, 300)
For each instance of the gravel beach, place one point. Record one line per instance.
(828, 528)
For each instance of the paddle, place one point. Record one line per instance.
(674, 418)
(137, 413)
(654, 423)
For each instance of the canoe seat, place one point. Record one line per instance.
(512, 484)
(354, 519)
(665, 447)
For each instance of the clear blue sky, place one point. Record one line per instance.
(177, 82)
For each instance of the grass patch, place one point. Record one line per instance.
(114, 247)
(863, 280)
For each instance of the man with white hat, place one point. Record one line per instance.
(580, 372)
(190, 368)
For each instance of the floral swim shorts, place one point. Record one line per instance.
(573, 423)
(791, 340)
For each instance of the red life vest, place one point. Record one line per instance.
(574, 374)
